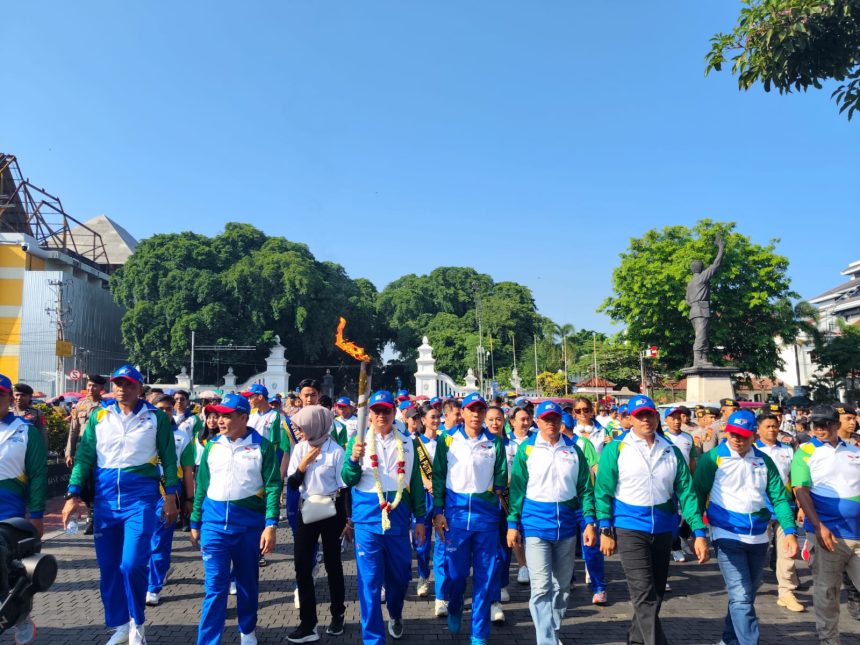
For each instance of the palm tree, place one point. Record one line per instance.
(561, 332)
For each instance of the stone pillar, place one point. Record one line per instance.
(425, 376)
(183, 380)
(276, 376)
(516, 381)
(230, 379)
(471, 382)
(328, 384)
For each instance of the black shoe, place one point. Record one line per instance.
(304, 634)
(262, 562)
(89, 529)
(395, 628)
(336, 626)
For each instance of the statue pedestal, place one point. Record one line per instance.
(710, 383)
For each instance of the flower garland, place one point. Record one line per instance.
(384, 505)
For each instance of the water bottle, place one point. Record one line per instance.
(72, 527)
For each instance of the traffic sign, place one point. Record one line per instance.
(75, 375)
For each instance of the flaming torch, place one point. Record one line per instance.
(364, 376)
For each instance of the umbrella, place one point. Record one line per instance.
(70, 396)
(799, 401)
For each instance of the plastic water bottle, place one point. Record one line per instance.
(72, 527)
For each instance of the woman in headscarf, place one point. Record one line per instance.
(315, 471)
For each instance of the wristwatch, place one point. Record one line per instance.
(69, 496)
(608, 531)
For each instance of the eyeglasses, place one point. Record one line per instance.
(581, 410)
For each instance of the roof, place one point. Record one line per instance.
(852, 269)
(595, 382)
(118, 242)
(836, 291)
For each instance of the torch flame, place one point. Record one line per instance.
(348, 346)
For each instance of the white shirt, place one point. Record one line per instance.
(682, 441)
(322, 476)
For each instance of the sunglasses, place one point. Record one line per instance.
(581, 410)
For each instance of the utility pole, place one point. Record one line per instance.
(192, 363)
(564, 353)
(537, 388)
(61, 314)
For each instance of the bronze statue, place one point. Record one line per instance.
(699, 299)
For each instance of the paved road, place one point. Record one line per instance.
(71, 613)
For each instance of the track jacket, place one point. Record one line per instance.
(123, 454)
(466, 475)
(636, 487)
(548, 485)
(742, 491)
(268, 426)
(23, 469)
(238, 485)
(365, 501)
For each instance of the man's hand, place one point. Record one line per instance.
(357, 452)
(309, 458)
(800, 516)
(589, 535)
(188, 506)
(195, 538)
(348, 532)
(791, 547)
(40, 527)
(514, 539)
(169, 512)
(441, 525)
(703, 553)
(70, 461)
(268, 540)
(71, 508)
(825, 538)
(419, 534)
(607, 545)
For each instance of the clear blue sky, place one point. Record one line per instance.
(530, 140)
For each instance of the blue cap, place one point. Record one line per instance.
(520, 402)
(741, 422)
(344, 400)
(256, 388)
(127, 372)
(5, 383)
(402, 394)
(474, 399)
(548, 407)
(623, 409)
(233, 403)
(275, 398)
(435, 401)
(383, 398)
(567, 420)
(639, 403)
(405, 405)
(673, 410)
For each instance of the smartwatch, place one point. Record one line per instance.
(608, 531)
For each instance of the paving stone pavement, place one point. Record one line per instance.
(71, 612)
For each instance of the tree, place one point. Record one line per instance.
(750, 297)
(794, 44)
(839, 358)
(550, 383)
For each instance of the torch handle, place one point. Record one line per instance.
(365, 376)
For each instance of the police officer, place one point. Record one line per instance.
(80, 414)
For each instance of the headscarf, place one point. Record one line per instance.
(315, 422)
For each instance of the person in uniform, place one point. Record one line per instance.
(120, 447)
(22, 395)
(23, 481)
(80, 414)
(235, 518)
(674, 423)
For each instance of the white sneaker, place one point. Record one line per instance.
(232, 588)
(678, 555)
(153, 598)
(296, 603)
(423, 587)
(25, 632)
(120, 635)
(523, 576)
(587, 577)
(497, 614)
(135, 634)
(441, 609)
(382, 595)
(505, 596)
(248, 639)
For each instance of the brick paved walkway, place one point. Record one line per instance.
(71, 613)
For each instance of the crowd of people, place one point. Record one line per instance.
(464, 486)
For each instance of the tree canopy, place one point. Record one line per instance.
(794, 44)
(750, 297)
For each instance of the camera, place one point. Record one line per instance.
(25, 246)
(24, 571)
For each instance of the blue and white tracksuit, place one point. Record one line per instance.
(238, 494)
(122, 452)
(23, 469)
(467, 474)
(430, 546)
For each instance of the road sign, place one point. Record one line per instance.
(64, 349)
(75, 375)
(653, 351)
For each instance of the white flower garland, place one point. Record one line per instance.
(384, 505)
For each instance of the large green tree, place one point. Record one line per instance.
(239, 287)
(750, 297)
(838, 355)
(793, 45)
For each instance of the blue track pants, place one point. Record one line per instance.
(162, 543)
(476, 551)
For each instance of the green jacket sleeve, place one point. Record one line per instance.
(166, 447)
(800, 475)
(351, 472)
(500, 481)
(272, 483)
(606, 483)
(584, 487)
(703, 480)
(36, 469)
(85, 457)
(440, 473)
(201, 487)
(416, 486)
(186, 458)
(518, 486)
(590, 453)
(779, 498)
(689, 503)
(275, 431)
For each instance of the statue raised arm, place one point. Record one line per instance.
(699, 300)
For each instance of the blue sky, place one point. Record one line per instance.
(530, 140)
